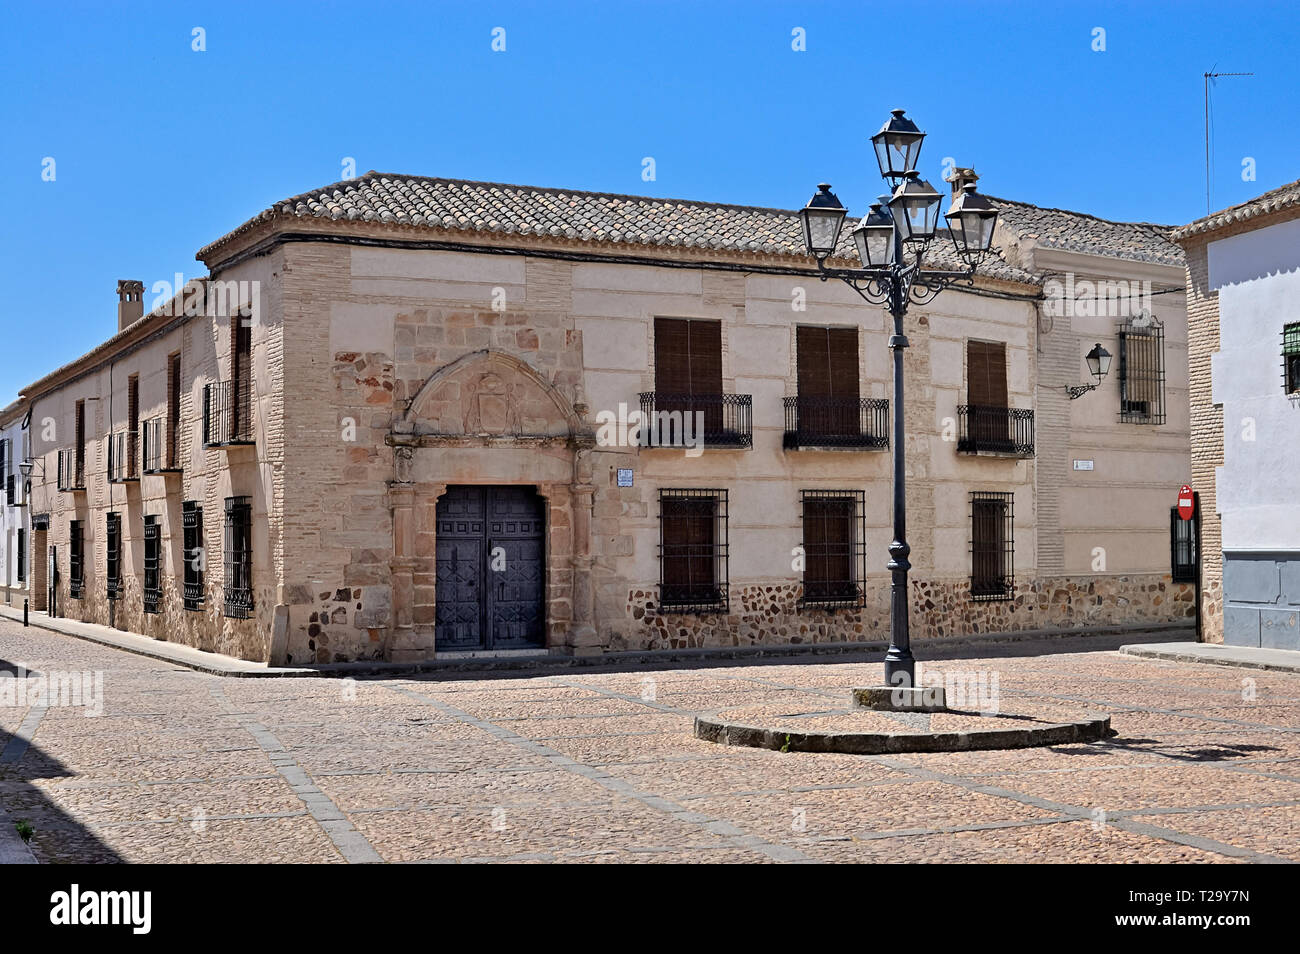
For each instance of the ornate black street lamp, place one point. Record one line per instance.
(891, 242)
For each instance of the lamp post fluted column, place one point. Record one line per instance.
(900, 667)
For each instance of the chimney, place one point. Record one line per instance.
(130, 302)
(960, 178)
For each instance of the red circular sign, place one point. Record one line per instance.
(1186, 502)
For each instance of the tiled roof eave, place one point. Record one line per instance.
(1278, 201)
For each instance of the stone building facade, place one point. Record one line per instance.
(419, 396)
(1242, 267)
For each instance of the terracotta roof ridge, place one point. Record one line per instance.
(1084, 215)
(553, 190)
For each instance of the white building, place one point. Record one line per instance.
(1244, 282)
(14, 527)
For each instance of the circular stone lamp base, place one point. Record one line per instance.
(870, 725)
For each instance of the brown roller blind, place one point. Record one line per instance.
(688, 356)
(827, 361)
(986, 374)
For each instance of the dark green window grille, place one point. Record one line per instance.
(992, 546)
(152, 555)
(834, 548)
(238, 586)
(1291, 358)
(76, 563)
(1142, 371)
(1182, 547)
(113, 554)
(693, 551)
(195, 557)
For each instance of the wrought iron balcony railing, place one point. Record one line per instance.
(157, 449)
(1004, 431)
(860, 423)
(227, 414)
(122, 462)
(71, 471)
(692, 420)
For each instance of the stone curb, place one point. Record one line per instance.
(1214, 654)
(713, 729)
(215, 664)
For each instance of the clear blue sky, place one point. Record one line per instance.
(159, 149)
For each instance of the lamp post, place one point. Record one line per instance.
(891, 241)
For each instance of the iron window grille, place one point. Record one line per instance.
(1182, 547)
(836, 422)
(995, 430)
(693, 557)
(195, 558)
(718, 420)
(1142, 371)
(834, 548)
(22, 555)
(76, 563)
(238, 584)
(121, 457)
(152, 578)
(992, 546)
(156, 450)
(70, 475)
(227, 414)
(113, 555)
(1291, 358)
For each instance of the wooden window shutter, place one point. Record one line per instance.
(812, 356)
(986, 374)
(672, 356)
(842, 351)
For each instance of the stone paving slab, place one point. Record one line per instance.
(588, 766)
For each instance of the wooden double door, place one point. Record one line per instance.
(491, 568)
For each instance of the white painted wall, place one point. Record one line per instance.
(15, 517)
(1257, 276)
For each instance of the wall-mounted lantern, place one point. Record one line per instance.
(1098, 364)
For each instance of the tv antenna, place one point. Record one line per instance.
(1210, 76)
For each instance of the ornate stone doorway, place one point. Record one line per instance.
(491, 555)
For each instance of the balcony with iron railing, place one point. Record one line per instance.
(836, 423)
(71, 472)
(227, 414)
(158, 449)
(696, 420)
(123, 465)
(995, 431)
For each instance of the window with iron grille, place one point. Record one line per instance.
(693, 551)
(992, 546)
(113, 554)
(195, 557)
(238, 587)
(22, 555)
(834, 548)
(1182, 547)
(1142, 371)
(6, 464)
(152, 555)
(1291, 358)
(76, 565)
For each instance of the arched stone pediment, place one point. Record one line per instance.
(490, 394)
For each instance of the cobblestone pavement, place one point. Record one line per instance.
(602, 766)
